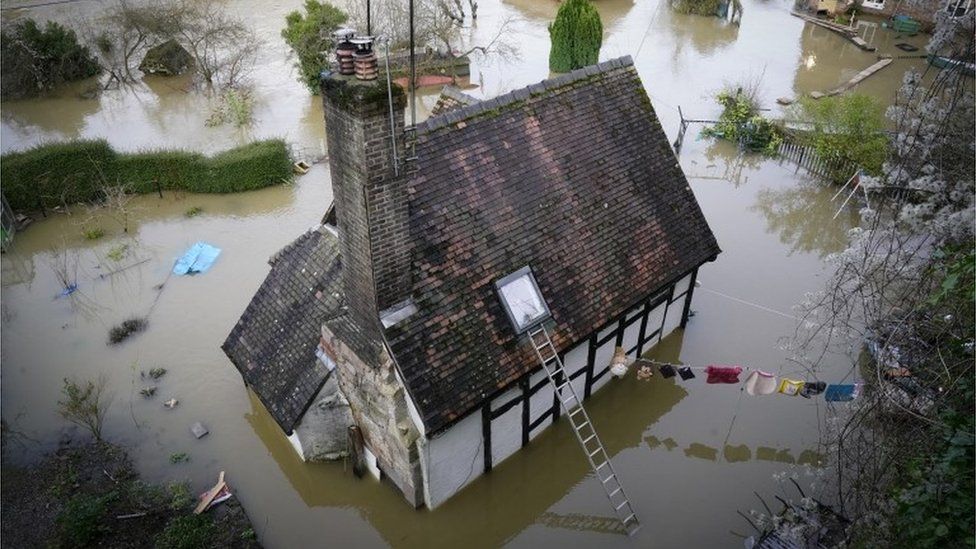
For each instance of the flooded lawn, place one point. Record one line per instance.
(687, 464)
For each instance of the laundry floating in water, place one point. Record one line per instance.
(198, 259)
(757, 382)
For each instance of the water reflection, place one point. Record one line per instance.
(537, 477)
(611, 11)
(723, 161)
(707, 35)
(803, 217)
(62, 114)
(737, 453)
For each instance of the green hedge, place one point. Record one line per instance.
(75, 171)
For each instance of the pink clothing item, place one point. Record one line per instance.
(723, 374)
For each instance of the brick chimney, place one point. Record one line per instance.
(370, 200)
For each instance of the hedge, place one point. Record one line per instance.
(75, 171)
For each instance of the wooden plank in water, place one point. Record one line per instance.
(858, 78)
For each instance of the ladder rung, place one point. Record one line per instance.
(581, 425)
(591, 437)
(625, 502)
(598, 467)
(611, 494)
(576, 411)
(606, 480)
(631, 516)
(597, 451)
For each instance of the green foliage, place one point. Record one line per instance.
(741, 122)
(34, 60)
(249, 535)
(179, 496)
(85, 403)
(193, 211)
(847, 129)
(311, 34)
(236, 107)
(81, 521)
(157, 373)
(960, 276)
(697, 7)
(120, 332)
(179, 457)
(117, 253)
(93, 233)
(75, 171)
(186, 532)
(576, 34)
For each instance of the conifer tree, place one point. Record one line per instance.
(576, 35)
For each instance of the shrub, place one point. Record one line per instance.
(81, 520)
(740, 122)
(847, 129)
(576, 35)
(93, 233)
(697, 7)
(121, 332)
(77, 171)
(311, 34)
(187, 532)
(35, 60)
(85, 404)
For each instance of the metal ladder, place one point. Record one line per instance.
(583, 429)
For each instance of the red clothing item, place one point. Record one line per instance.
(723, 374)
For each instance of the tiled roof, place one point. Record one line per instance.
(573, 177)
(273, 344)
(450, 99)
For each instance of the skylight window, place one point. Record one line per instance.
(523, 302)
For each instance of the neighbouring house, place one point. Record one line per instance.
(563, 198)
(922, 11)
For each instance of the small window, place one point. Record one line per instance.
(522, 299)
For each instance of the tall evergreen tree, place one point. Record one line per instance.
(576, 35)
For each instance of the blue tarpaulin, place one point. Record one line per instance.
(198, 259)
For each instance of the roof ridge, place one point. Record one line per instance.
(561, 81)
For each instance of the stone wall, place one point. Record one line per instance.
(378, 401)
(322, 431)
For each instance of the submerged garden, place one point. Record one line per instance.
(874, 248)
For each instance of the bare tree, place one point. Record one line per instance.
(223, 48)
(122, 37)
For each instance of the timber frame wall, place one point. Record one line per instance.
(591, 373)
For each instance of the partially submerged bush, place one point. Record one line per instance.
(85, 403)
(741, 122)
(577, 35)
(846, 129)
(121, 332)
(35, 60)
(309, 35)
(697, 7)
(77, 171)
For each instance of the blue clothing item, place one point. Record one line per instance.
(840, 393)
(198, 259)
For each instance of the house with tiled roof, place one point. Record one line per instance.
(559, 207)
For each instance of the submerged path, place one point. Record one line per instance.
(854, 81)
(846, 32)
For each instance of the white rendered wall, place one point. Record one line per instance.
(453, 459)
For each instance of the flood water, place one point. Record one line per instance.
(690, 454)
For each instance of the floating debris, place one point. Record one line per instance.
(119, 333)
(220, 492)
(157, 373)
(148, 392)
(198, 430)
(171, 403)
(301, 167)
(198, 259)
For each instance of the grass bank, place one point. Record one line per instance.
(57, 174)
(90, 496)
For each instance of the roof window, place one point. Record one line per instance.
(522, 299)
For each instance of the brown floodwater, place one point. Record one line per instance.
(690, 454)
